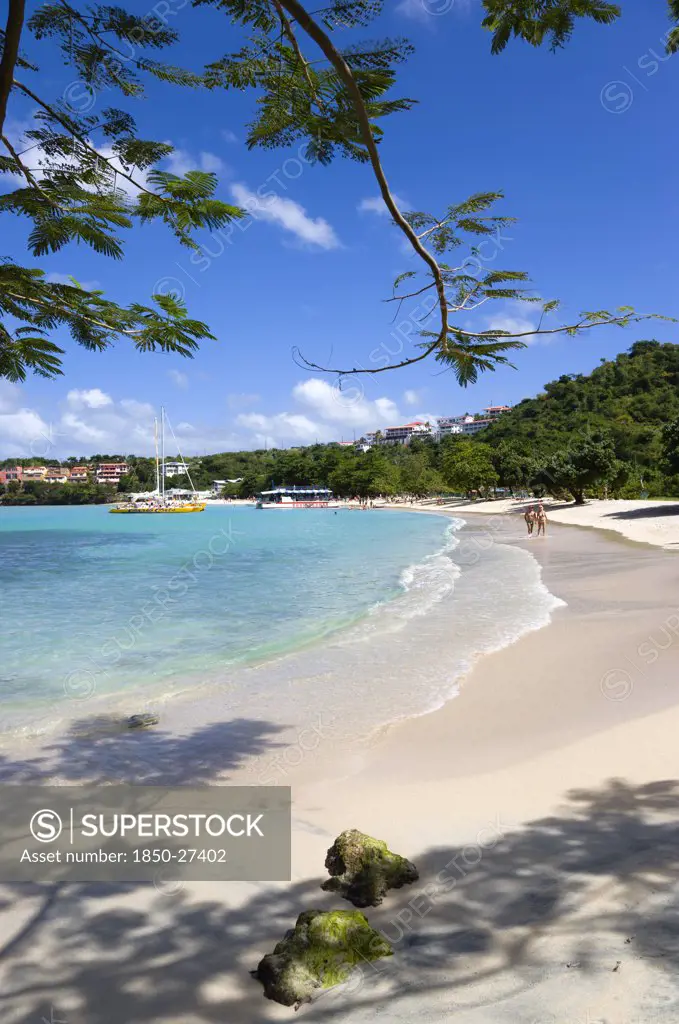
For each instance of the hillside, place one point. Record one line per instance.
(630, 399)
(596, 433)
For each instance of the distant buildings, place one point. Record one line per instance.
(450, 425)
(404, 434)
(34, 472)
(56, 475)
(465, 423)
(111, 472)
(11, 473)
(174, 468)
(80, 474)
(219, 485)
(475, 426)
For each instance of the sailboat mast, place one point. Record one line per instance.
(155, 436)
(162, 450)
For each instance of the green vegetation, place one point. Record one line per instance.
(35, 492)
(554, 20)
(614, 431)
(321, 952)
(97, 178)
(628, 401)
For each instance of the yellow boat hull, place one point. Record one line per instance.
(157, 511)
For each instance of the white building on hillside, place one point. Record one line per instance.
(449, 425)
(405, 433)
(475, 426)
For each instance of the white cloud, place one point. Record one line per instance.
(178, 378)
(10, 396)
(78, 429)
(242, 400)
(23, 432)
(348, 407)
(513, 318)
(25, 426)
(54, 278)
(36, 159)
(512, 324)
(411, 397)
(287, 214)
(426, 417)
(228, 135)
(181, 162)
(94, 398)
(283, 426)
(137, 410)
(91, 421)
(376, 204)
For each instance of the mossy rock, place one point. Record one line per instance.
(143, 721)
(320, 952)
(363, 869)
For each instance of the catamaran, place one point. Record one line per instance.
(158, 501)
(297, 497)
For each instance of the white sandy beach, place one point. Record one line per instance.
(541, 807)
(646, 522)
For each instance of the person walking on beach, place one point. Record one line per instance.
(541, 520)
(529, 516)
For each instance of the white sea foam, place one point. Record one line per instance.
(406, 658)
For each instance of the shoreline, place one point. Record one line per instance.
(191, 706)
(546, 795)
(644, 521)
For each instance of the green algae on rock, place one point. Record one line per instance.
(319, 952)
(363, 869)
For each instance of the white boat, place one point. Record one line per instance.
(159, 501)
(297, 497)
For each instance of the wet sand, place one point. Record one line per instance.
(541, 807)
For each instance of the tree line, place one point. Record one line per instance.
(613, 432)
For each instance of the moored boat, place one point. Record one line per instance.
(158, 502)
(297, 497)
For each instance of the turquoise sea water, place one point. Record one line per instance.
(114, 603)
(235, 614)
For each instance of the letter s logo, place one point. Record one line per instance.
(46, 826)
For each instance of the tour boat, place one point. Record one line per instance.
(297, 497)
(158, 502)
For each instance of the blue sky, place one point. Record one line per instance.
(581, 142)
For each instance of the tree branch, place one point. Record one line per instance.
(287, 29)
(10, 53)
(28, 175)
(315, 32)
(29, 300)
(490, 335)
(83, 141)
(410, 295)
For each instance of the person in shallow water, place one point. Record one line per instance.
(529, 516)
(541, 520)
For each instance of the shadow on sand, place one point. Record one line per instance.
(666, 508)
(598, 880)
(98, 750)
